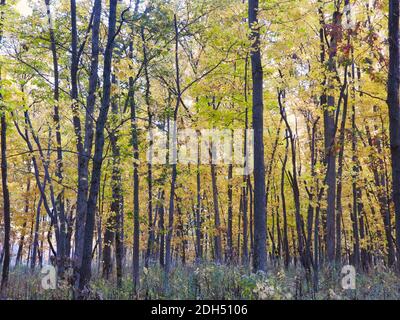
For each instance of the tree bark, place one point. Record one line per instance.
(26, 212)
(229, 235)
(199, 250)
(36, 234)
(117, 192)
(6, 201)
(330, 153)
(339, 207)
(168, 256)
(135, 146)
(85, 153)
(4, 174)
(217, 222)
(85, 273)
(260, 234)
(150, 231)
(394, 113)
(162, 230)
(59, 210)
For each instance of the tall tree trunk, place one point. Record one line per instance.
(358, 208)
(229, 234)
(6, 202)
(379, 170)
(339, 207)
(319, 191)
(305, 256)
(246, 178)
(135, 145)
(199, 247)
(99, 222)
(98, 153)
(330, 153)
(150, 232)
(116, 183)
(28, 258)
(260, 233)
(181, 233)
(162, 231)
(36, 234)
(36, 250)
(217, 222)
(4, 173)
(245, 191)
(59, 211)
(85, 154)
(251, 216)
(168, 256)
(311, 190)
(394, 112)
(109, 236)
(26, 212)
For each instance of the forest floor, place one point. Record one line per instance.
(210, 281)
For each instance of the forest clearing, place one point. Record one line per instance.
(199, 149)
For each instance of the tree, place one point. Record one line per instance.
(84, 152)
(394, 111)
(85, 272)
(258, 127)
(4, 180)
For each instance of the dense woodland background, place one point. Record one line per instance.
(83, 83)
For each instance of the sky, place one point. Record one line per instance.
(24, 9)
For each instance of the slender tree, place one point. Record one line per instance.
(394, 112)
(4, 177)
(260, 233)
(85, 273)
(84, 152)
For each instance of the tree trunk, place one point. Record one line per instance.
(6, 202)
(394, 112)
(109, 236)
(85, 154)
(260, 234)
(168, 256)
(379, 170)
(162, 231)
(98, 153)
(330, 153)
(26, 212)
(217, 222)
(244, 201)
(6, 194)
(135, 145)
(150, 231)
(36, 235)
(339, 207)
(59, 211)
(305, 257)
(199, 247)
(229, 234)
(116, 184)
